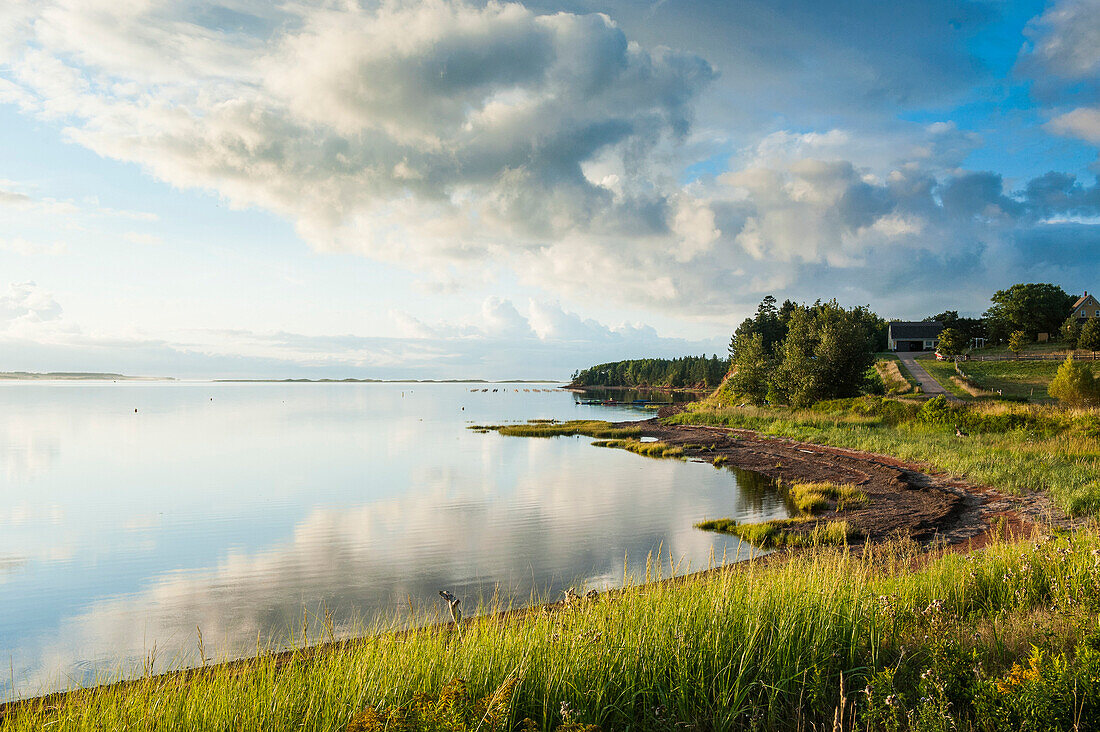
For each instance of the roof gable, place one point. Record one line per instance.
(1086, 298)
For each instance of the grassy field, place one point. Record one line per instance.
(1013, 447)
(1006, 638)
(1009, 379)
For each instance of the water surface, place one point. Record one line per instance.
(134, 513)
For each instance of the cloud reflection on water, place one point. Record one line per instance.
(486, 514)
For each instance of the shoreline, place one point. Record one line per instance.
(905, 499)
(669, 389)
(940, 513)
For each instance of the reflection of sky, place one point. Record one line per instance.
(233, 506)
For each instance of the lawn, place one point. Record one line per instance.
(1019, 380)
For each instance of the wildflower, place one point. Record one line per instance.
(892, 700)
(566, 711)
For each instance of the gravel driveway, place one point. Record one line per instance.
(927, 383)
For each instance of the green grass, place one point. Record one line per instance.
(944, 373)
(648, 449)
(773, 646)
(1012, 447)
(811, 498)
(552, 428)
(1019, 379)
(780, 533)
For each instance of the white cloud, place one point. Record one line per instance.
(1083, 123)
(1066, 39)
(26, 302)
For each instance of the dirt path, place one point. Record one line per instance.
(927, 383)
(903, 499)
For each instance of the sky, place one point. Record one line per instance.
(445, 189)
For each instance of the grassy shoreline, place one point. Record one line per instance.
(1015, 448)
(765, 645)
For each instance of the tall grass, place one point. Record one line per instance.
(895, 382)
(764, 645)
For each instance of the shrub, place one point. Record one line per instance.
(1074, 385)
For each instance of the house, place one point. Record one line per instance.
(904, 336)
(1086, 307)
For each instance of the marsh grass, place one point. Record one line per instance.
(762, 645)
(797, 532)
(553, 428)
(811, 498)
(648, 449)
(1015, 448)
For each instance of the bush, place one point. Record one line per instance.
(1074, 385)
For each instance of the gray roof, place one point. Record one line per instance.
(900, 331)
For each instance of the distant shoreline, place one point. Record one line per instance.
(75, 376)
(582, 388)
(96, 376)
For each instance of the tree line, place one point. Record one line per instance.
(676, 373)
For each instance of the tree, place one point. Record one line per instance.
(952, 342)
(825, 355)
(768, 324)
(751, 369)
(1089, 340)
(1074, 385)
(1070, 331)
(947, 318)
(1017, 341)
(1032, 308)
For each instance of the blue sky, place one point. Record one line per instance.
(489, 189)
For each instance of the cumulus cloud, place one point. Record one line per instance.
(1066, 39)
(463, 139)
(1083, 123)
(26, 302)
(1063, 59)
(428, 132)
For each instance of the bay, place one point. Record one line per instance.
(134, 515)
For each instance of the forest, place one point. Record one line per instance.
(698, 372)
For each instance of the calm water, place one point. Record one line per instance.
(233, 507)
